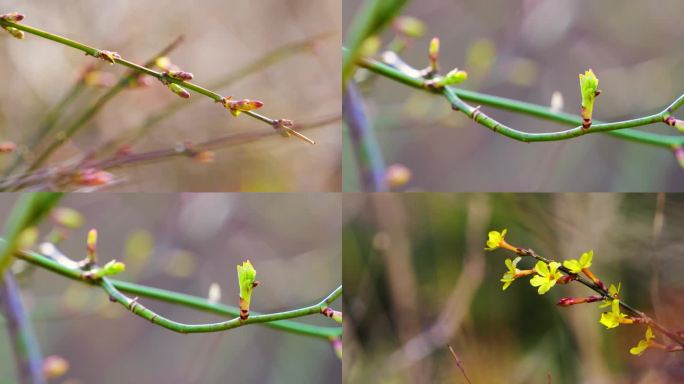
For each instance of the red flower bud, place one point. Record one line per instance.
(13, 17)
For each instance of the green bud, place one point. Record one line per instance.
(247, 282)
(410, 26)
(455, 76)
(67, 217)
(178, 90)
(672, 122)
(15, 32)
(589, 89)
(110, 269)
(433, 53)
(91, 246)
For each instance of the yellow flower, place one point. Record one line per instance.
(510, 275)
(576, 266)
(495, 240)
(614, 318)
(547, 276)
(643, 344)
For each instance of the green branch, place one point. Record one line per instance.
(456, 98)
(27, 212)
(114, 289)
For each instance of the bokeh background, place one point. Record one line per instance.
(527, 50)
(184, 243)
(220, 38)
(417, 278)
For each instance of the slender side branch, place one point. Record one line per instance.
(26, 348)
(456, 96)
(115, 288)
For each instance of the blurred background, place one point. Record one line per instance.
(417, 279)
(184, 243)
(527, 50)
(302, 85)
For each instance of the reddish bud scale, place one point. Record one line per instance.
(568, 301)
(593, 278)
(179, 75)
(7, 147)
(13, 17)
(93, 177)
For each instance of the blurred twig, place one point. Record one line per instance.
(64, 174)
(363, 140)
(23, 338)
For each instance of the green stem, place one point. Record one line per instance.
(456, 98)
(115, 287)
(28, 210)
(21, 334)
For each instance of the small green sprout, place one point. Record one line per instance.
(247, 281)
(547, 276)
(589, 88)
(433, 54)
(643, 344)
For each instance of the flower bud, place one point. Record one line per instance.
(247, 282)
(433, 53)
(93, 177)
(12, 17)
(54, 367)
(397, 175)
(672, 122)
(91, 246)
(179, 75)
(178, 90)
(244, 105)
(7, 147)
(15, 32)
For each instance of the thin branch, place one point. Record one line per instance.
(456, 96)
(63, 174)
(115, 58)
(605, 294)
(115, 288)
(363, 140)
(23, 338)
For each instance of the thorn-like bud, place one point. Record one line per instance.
(67, 217)
(91, 246)
(179, 75)
(7, 147)
(433, 54)
(284, 127)
(178, 90)
(397, 175)
(409, 26)
(14, 32)
(247, 282)
(109, 56)
(12, 17)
